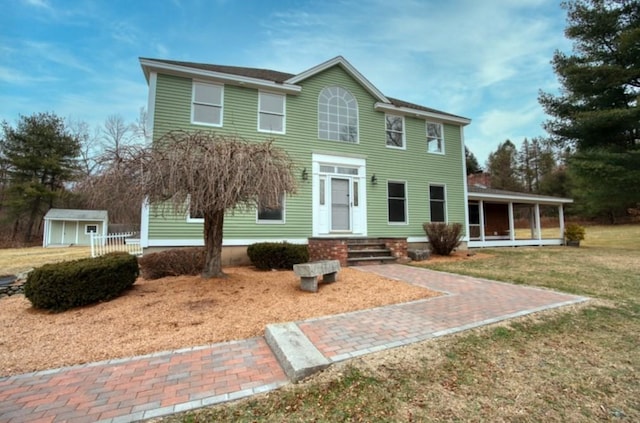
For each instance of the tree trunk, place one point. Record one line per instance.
(213, 222)
(32, 220)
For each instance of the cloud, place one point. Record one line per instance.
(52, 53)
(17, 77)
(42, 4)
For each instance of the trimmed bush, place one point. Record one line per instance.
(443, 237)
(574, 232)
(61, 286)
(176, 262)
(277, 255)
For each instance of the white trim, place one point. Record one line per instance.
(78, 230)
(284, 112)
(144, 223)
(342, 62)
(441, 139)
(151, 106)
(198, 242)
(274, 222)
(193, 103)
(514, 243)
(406, 202)
(441, 117)
(519, 199)
(87, 226)
(446, 210)
(64, 228)
(149, 66)
(467, 231)
(404, 132)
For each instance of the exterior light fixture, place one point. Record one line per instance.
(374, 180)
(305, 175)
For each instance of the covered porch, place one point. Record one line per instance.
(509, 219)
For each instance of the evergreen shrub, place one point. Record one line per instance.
(61, 286)
(277, 255)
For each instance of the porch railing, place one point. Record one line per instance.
(128, 242)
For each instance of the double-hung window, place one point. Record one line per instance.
(271, 111)
(397, 202)
(435, 138)
(271, 214)
(395, 131)
(437, 203)
(206, 106)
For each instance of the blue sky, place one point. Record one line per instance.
(485, 60)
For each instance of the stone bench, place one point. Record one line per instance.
(309, 273)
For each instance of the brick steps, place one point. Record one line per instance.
(362, 252)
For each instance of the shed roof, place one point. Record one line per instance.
(475, 191)
(76, 214)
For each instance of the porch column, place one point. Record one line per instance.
(561, 220)
(538, 227)
(482, 223)
(77, 229)
(512, 228)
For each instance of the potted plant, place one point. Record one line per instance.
(573, 234)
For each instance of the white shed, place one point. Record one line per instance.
(73, 227)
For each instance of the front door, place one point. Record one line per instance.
(340, 204)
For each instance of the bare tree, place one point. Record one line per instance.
(214, 174)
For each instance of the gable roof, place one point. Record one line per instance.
(267, 78)
(76, 214)
(477, 192)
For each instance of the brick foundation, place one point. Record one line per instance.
(328, 249)
(337, 248)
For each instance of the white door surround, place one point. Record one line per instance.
(339, 195)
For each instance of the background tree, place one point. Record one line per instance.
(502, 165)
(597, 113)
(472, 162)
(40, 157)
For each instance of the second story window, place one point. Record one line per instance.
(271, 109)
(206, 106)
(337, 115)
(435, 139)
(395, 131)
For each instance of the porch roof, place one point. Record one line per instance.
(475, 192)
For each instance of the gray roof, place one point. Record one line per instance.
(277, 77)
(475, 189)
(75, 214)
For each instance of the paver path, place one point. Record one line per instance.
(137, 388)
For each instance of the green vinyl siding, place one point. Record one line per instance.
(240, 117)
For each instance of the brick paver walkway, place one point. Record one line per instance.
(164, 383)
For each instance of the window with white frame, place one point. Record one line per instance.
(88, 229)
(206, 107)
(397, 202)
(395, 131)
(271, 108)
(437, 203)
(435, 138)
(337, 115)
(271, 214)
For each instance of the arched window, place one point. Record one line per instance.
(337, 115)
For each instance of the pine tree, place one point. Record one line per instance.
(502, 165)
(471, 161)
(39, 157)
(597, 113)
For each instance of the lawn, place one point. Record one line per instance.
(577, 364)
(16, 260)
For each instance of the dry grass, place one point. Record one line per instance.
(576, 364)
(15, 260)
(178, 312)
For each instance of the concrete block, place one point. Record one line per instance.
(296, 354)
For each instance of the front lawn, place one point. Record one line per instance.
(576, 364)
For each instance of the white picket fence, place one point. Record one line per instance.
(128, 242)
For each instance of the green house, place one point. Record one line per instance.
(371, 169)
